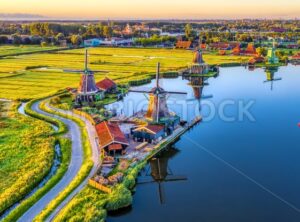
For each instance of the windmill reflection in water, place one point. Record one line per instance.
(159, 172)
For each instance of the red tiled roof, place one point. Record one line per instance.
(296, 56)
(250, 49)
(109, 133)
(236, 50)
(106, 84)
(183, 44)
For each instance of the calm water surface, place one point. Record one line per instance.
(236, 171)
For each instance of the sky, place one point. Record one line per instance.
(155, 9)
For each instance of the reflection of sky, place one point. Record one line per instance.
(233, 84)
(266, 150)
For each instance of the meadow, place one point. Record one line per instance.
(15, 50)
(26, 153)
(38, 75)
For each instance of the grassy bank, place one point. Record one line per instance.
(65, 145)
(91, 204)
(26, 154)
(84, 170)
(12, 50)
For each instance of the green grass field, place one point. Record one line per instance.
(7, 50)
(26, 153)
(37, 75)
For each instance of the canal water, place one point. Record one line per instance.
(242, 163)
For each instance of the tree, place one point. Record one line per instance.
(60, 36)
(16, 39)
(188, 30)
(3, 39)
(76, 39)
(261, 51)
(107, 31)
(44, 44)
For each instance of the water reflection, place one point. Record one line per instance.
(266, 150)
(270, 74)
(160, 172)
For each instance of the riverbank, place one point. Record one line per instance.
(22, 173)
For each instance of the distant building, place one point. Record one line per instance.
(296, 57)
(183, 44)
(223, 45)
(176, 34)
(250, 50)
(237, 50)
(279, 30)
(92, 42)
(118, 42)
(111, 138)
(128, 30)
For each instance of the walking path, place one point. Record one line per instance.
(74, 167)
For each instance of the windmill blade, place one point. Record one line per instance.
(101, 71)
(172, 178)
(174, 92)
(161, 191)
(202, 97)
(275, 79)
(73, 70)
(145, 96)
(176, 96)
(145, 181)
(138, 91)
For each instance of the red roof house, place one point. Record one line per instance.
(107, 85)
(237, 50)
(250, 50)
(296, 57)
(110, 134)
(183, 44)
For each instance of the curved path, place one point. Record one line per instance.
(74, 166)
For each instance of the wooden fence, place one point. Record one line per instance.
(99, 186)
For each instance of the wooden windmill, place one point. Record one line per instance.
(87, 90)
(157, 108)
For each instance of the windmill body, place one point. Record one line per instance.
(87, 91)
(198, 65)
(158, 111)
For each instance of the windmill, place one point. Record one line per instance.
(270, 72)
(161, 173)
(157, 108)
(87, 90)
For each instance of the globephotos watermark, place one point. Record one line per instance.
(228, 110)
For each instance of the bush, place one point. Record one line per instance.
(119, 198)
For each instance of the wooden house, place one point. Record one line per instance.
(111, 138)
(107, 85)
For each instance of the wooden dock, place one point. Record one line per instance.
(173, 138)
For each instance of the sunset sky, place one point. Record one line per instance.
(141, 9)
